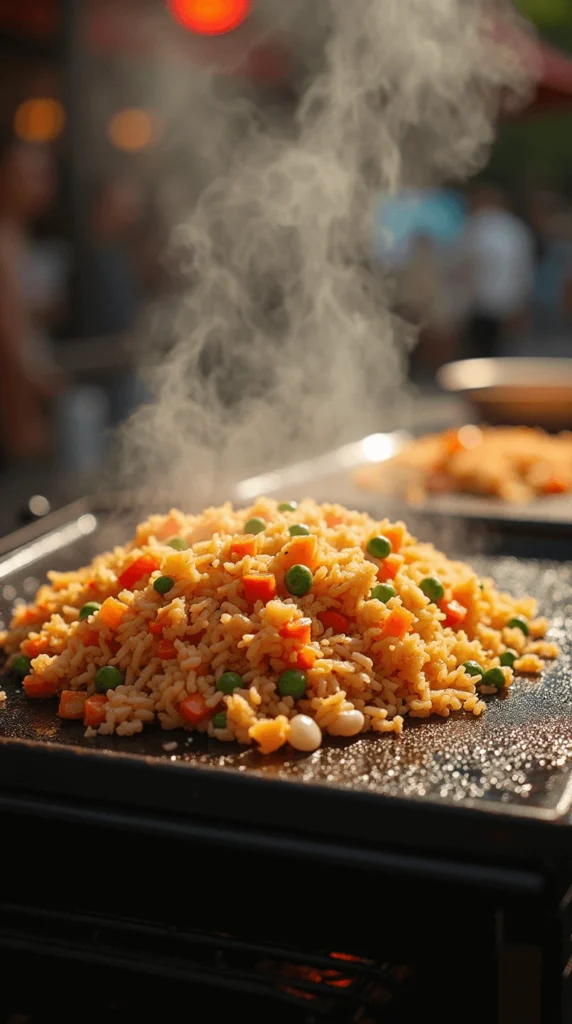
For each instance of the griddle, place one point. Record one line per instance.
(499, 786)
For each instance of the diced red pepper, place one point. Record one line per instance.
(455, 612)
(242, 546)
(297, 629)
(305, 658)
(72, 704)
(194, 709)
(91, 638)
(142, 566)
(397, 623)
(167, 650)
(259, 587)
(156, 628)
(334, 620)
(35, 686)
(94, 710)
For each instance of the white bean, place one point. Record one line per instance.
(348, 723)
(305, 733)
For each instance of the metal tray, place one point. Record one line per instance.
(331, 477)
(514, 763)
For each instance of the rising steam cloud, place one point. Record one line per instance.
(286, 343)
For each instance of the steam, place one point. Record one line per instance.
(285, 343)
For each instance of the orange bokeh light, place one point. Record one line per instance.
(210, 17)
(132, 130)
(39, 120)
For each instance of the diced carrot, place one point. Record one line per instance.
(194, 709)
(111, 613)
(72, 704)
(156, 628)
(556, 485)
(334, 620)
(306, 658)
(94, 710)
(333, 520)
(142, 566)
(35, 686)
(297, 629)
(452, 442)
(397, 623)
(395, 535)
(259, 587)
(455, 612)
(300, 551)
(169, 528)
(242, 546)
(35, 645)
(31, 614)
(167, 650)
(389, 567)
(91, 638)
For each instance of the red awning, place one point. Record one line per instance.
(551, 66)
(555, 87)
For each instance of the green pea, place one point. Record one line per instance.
(508, 658)
(433, 588)
(108, 678)
(472, 668)
(518, 622)
(494, 677)
(288, 506)
(178, 543)
(292, 683)
(91, 608)
(383, 592)
(219, 721)
(21, 665)
(254, 526)
(379, 547)
(298, 580)
(228, 682)
(163, 584)
(298, 530)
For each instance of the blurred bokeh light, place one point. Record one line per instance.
(39, 120)
(133, 130)
(210, 17)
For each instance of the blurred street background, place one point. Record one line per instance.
(94, 177)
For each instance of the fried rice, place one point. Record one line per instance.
(515, 464)
(230, 649)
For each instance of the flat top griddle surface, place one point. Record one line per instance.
(517, 755)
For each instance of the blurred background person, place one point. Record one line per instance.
(550, 217)
(116, 275)
(497, 255)
(29, 380)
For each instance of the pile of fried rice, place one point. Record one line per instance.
(515, 464)
(354, 662)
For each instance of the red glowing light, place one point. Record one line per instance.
(210, 17)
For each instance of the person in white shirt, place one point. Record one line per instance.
(497, 250)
